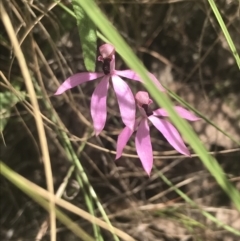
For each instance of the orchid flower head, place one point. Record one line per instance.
(142, 98)
(143, 102)
(107, 57)
(142, 139)
(106, 51)
(125, 98)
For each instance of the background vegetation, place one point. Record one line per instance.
(179, 41)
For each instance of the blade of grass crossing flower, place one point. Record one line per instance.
(88, 36)
(162, 100)
(225, 31)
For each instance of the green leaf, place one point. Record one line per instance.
(225, 31)
(88, 36)
(8, 100)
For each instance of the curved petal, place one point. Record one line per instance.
(144, 146)
(122, 140)
(126, 101)
(160, 112)
(77, 79)
(184, 113)
(98, 105)
(130, 74)
(170, 133)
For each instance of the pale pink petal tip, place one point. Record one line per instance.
(182, 112)
(171, 134)
(186, 114)
(122, 140)
(97, 132)
(63, 87)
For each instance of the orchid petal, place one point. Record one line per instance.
(144, 146)
(98, 105)
(170, 133)
(156, 82)
(130, 74)
(160, 112)
(122, 140)
(77, 79)
(126, 101)
(184, 113)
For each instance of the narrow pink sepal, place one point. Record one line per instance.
(126, 101)
(184, 113)
(77, 79)
(156, 82)
(122, 140)
(130, 74)
(144, 146)
(170, 133)
(99, 105)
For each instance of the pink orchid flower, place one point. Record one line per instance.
(124, 94)
(142, 139)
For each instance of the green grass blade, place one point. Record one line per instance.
(88, 36)
(13, 177)
(88, 191)
(225, 31)
(73, 158)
